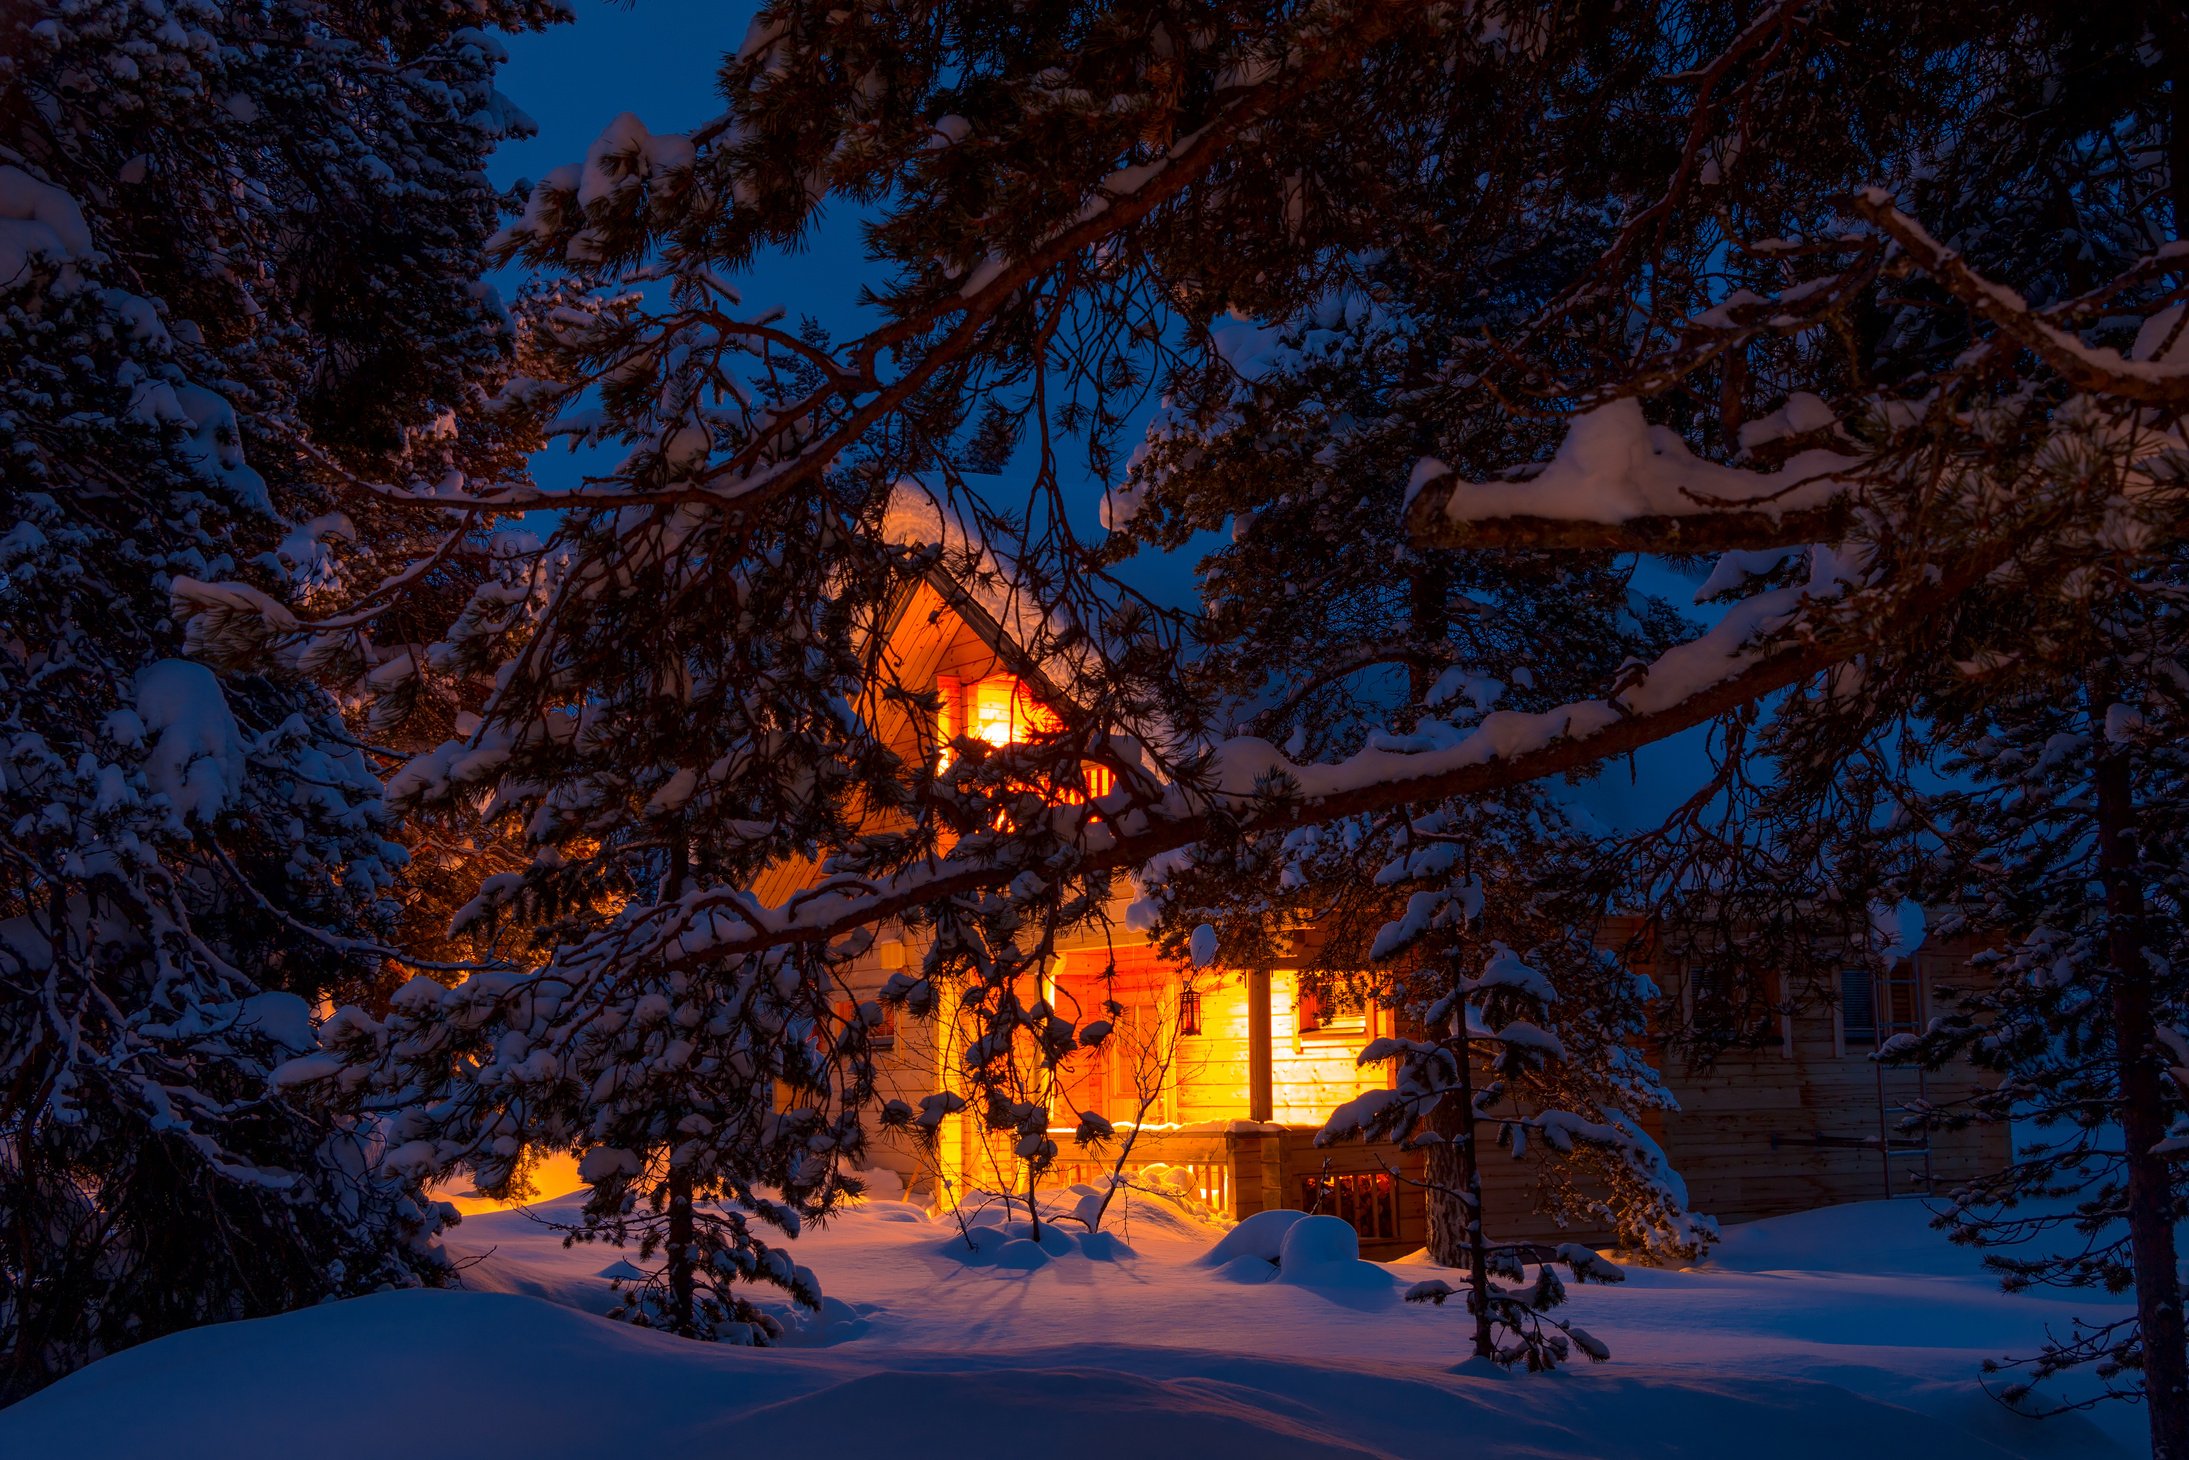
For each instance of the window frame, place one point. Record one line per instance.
(1308, 1023)
(1846, 1035)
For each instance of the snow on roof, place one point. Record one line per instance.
(984, 583)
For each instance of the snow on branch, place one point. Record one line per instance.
(1248, 784)
(1618, 482)
(2090, 368)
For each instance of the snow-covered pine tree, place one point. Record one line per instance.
(1539, 1049)
(1327, 630)
(239, 252)
(2060, 838)
(1563, 1021)
(1876, 302)
(1989, 403)
(647, 791)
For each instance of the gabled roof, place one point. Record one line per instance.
(982, 583)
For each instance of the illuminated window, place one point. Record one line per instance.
(997, 711)
(1002, 711)
(1332, 1012)
(1367, 1199)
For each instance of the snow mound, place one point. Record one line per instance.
(1864, 1236)
(1325, 1253)
(1257, 1238)
(836, 1322)
(875, 1209)
(1155, 1202)
(1135, 1211)
(1014, 1247)
(1321, 1253)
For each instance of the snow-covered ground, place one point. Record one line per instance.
(1847, 1334)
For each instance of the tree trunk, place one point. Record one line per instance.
(1470, 1175)
(1446, 1179)
(1733, 395)
(1428, 587)
(2142, 1111)
(681, 1251)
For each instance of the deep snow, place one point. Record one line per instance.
(1850, 1332)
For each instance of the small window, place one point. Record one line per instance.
(1369, 1200)
(1857, 1008)
(1189, 1013)
(882, 1036)
(1332, 1012)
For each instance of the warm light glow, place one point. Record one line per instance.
(993, 703)
(556, 1174)
(1002, 711)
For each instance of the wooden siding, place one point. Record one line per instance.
(1797, 1124)
(1310, 1074)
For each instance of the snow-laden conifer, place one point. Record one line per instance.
(239, 253)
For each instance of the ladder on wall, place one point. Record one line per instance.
(1893, 1143)
(1890, 1142)
(1893, 1004)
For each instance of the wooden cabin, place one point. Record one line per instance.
(1231, 1072)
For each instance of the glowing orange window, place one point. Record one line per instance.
(1002, 710)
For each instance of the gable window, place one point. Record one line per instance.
(1002, 710)
(999, 709)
